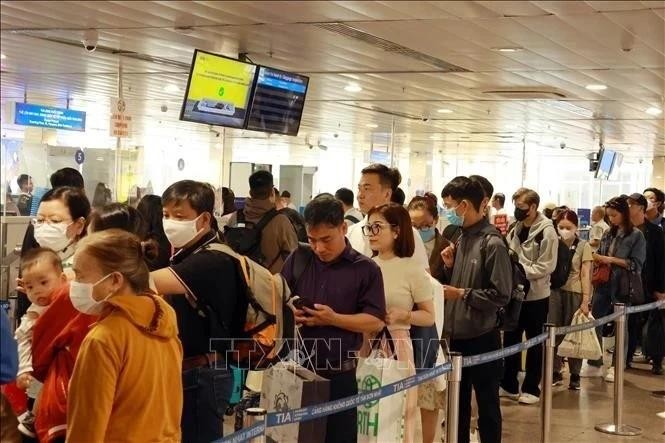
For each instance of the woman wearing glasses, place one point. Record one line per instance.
(60, 221)
(405, 283)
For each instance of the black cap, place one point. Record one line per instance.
(639, 199)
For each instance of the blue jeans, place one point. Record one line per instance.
(602, 304)
(206, 396)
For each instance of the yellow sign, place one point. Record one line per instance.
(220, 80)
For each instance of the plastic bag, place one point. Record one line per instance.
(581, 344)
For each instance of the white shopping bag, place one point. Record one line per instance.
(437, 293)
(381, 420)
(581, 344)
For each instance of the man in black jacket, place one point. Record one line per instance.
(653, 273)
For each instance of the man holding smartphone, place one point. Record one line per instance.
(344, 292)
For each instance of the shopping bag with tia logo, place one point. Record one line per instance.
(581, 344)
(381, 420)
(288, 386)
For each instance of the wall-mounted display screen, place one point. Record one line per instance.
(49, 117)
(218, 90)
(278, 101)
(605, 164)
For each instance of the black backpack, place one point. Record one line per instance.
(245, 237)
(352, 219)
(564, 261)
(508, 316)
(298, 223)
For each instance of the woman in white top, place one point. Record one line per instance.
(405, 283)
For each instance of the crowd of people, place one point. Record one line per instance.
(119, 307)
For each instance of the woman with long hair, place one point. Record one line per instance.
(623, 249)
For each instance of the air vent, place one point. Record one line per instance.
(526, 94)
(388, 46)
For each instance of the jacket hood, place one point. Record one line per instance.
(148, 312)
(255, 208)
(538, 225)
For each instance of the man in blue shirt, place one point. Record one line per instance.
(346, 291)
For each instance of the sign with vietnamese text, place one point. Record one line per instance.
(27, 114)
(121, 123)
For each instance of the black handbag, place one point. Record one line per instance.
(630, 287)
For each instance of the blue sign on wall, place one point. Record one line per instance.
(49, 117)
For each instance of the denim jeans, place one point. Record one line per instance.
(206, 396)
(425, 341)
(602, 305)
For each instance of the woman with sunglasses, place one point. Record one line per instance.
(405, 283)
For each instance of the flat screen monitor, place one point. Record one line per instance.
(278, 101)
(218, 90)
(605, 164)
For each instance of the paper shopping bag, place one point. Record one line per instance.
(288, 386)
(581, 344)
(381, 420)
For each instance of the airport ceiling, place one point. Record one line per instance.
(486, 74)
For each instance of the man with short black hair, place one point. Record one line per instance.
(278, 236)
(655, 206)
(536, 242)
(653, 275)
(480, 284)
(286, 200)
(351, 214)
(399, 197)
(346, 290)
(376, 187)
(204, 288)
(25, 198)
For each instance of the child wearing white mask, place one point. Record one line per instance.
(42, 274)
(573, 296)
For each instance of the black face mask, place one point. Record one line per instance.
(521, 214)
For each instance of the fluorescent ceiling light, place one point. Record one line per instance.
(171, 88)
(3, 56)
(372, 125)
(596, 87)
(654, 111)
(353, 87)
(445, 111)
(508, 49)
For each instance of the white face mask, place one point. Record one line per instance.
(52, 236)
(180, 233)
(567, 234)
(81, 296)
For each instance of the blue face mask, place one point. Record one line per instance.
(453, 218)
(427, 234)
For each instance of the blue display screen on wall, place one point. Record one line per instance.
(49, 117)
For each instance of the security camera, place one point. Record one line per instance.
(90, 38)
(562, 145)
(164, 108)
(335, 135)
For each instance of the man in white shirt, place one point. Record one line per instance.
(497, 209)
(598, 227)
(351, 214)
(376, 187)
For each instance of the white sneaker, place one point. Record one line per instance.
(473, 436)
(528, 399)
(505, 394)
(609, 377)
(589, 371)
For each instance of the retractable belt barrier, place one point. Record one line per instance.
(335, 406)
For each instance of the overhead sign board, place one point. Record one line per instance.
(27, 114)
(121, 123)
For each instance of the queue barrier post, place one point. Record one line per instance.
(252, 416)
(548, 368)
(618, 427)
(454, 380)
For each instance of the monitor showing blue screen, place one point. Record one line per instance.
(27, 114)
(605, 164)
